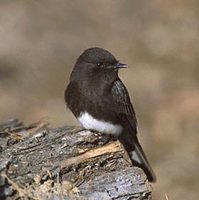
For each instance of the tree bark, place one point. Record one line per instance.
(39, 162)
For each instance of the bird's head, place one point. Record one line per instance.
(96, 62)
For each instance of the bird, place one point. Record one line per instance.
(100, 101)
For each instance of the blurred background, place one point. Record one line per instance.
(159, 40)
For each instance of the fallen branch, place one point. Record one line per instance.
(66, 163)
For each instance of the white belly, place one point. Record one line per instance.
(91, 123)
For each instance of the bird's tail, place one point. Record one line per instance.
(138, 158)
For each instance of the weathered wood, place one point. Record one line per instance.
(66, 163)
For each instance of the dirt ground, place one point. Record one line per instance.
(40, 41)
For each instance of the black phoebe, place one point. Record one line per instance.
(100, 101)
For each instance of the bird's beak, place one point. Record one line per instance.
(120, 65)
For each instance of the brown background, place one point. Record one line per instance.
(41, 39)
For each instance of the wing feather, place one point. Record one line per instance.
(123, 105)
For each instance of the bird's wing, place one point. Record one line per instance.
(129, 139)
(122, 104)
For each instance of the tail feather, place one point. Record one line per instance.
(138, 156)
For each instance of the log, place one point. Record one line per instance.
(40, 162)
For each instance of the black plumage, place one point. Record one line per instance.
(95, 88)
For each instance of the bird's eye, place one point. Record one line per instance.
(100, 64)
